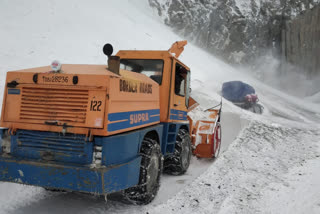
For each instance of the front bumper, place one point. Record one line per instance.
(71, 177)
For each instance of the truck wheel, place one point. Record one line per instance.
(150, 172)
(256, 108)
(178, 163)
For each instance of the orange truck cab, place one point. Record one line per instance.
(98, 129)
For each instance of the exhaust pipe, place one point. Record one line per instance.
(113, 61)
(114, 64)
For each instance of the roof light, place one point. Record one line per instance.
(56, 66)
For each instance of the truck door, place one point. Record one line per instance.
(179, 92)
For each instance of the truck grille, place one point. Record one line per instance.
(50, 146)
(48, 104)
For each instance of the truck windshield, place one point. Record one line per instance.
(152, 68)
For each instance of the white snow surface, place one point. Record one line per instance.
(269, 163)
(314, 98)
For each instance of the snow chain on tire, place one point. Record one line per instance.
(178, 163)
(150, 172)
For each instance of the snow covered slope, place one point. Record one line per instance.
(270, 148)
(237, 30)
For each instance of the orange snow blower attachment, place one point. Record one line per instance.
(206, 135)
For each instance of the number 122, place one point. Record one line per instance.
(95, 105)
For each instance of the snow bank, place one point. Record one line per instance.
(314, 98)
(299, 193)
(243, 180)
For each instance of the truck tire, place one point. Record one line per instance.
(259, 109)
(256, 108)
(150, 172)
(178, 163)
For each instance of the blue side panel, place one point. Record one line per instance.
(124, 120)
(121, 148)
(74, 178)
(123, 177)
(60, 177)
(178, 115)
(51, 146)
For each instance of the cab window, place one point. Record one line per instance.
(152, 68)
(180, 80)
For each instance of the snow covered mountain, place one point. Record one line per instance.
(237, 30)
(269, 162)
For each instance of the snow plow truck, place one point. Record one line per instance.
(98, 129)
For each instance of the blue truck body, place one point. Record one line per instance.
(57, 161)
